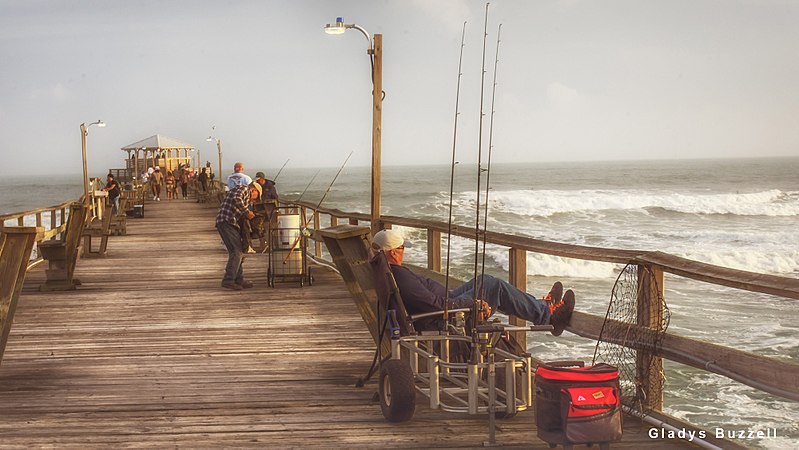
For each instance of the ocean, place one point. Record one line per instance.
(738, 213)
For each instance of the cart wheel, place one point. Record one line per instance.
(397, 391)
(270, 280)
(310, 278)
(302, 281)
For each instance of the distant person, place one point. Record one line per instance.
(184, 183)
(265, 207)
(170, 185)
(203, 179)
(114, 191)
(233, 212)
(238, 177)
(270, 190)
(422, 295)
(157, 181)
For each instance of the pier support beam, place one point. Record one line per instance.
(648, 366)
(517, 274)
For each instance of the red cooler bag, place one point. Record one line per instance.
(578, 405)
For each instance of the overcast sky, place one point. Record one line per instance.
(577, 80)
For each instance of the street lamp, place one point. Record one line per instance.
(84, 131)
(375, 52)
(218, 150)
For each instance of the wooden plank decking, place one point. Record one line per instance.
(151, 352)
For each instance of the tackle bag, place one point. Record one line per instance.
(577, 405)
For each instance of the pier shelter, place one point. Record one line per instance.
(158, 150)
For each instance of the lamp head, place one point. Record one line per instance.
(337, 28)
(100, 123)
(210, 139)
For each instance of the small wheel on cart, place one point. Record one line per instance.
(270, 280)
(310, 278)
(397, 391)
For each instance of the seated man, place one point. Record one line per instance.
(421, 294)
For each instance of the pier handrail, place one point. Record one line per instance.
(55, 212)
(735, 278)
(778, 377)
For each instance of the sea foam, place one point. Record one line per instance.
(546, 203)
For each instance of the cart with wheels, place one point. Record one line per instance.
(288, 243)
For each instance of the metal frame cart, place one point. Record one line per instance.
(499, 384)
(288, 260)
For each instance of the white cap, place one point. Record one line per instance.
(389, 240)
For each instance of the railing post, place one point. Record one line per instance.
(63, 219)
(333, 221)
(517, 276)
(650, 309)
(434, 250)
(317, 242)
(52, 220)
(353, 221)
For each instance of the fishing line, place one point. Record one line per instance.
(306, 187)
(308, 222)
(477, 281)
(281, 169)
(488, 167)
(452, 172)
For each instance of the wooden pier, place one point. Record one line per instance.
(149, 351)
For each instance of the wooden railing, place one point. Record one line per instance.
(778, 377)
(56, 217)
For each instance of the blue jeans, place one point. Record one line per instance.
(503, 296)
(115, 205)
(231, 236)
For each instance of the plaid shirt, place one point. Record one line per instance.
(234, 206)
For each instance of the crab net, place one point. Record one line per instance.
(622, 340)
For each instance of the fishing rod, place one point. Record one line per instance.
(478, 281)
(308, 222)
(306, 187)
(452, 170)
(490, 148)
(281, 169)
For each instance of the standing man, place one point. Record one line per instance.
(112, 187)
(184, 182)
(263, 208)
(269, 199)
(238, 177)
(203, 179)
(233, 212)
(156, 181)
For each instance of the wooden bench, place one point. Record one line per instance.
(203, 196)
(348, 246)
(119, 223)
(16, 244)
(97, 228)
(62, 254)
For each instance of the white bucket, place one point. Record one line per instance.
(288, 230)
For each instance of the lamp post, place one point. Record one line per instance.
(84, 132)
(375, 52)
(219, 152)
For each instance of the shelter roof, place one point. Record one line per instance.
(157, 142)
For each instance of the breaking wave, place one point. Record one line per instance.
(546, 203)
